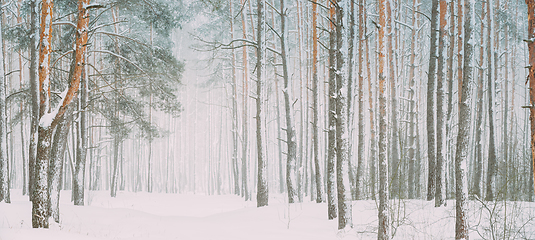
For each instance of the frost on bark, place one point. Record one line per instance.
(290, 134)
(478, 160)
(531, 76)
(441, 134)
(262, 187)
(235, 168)
(331, 132)
(80, 76)
(461, 156)
(40, 188)
(34, 89)
(412, 108)
(315, 105)
(342, 131)
(55, 173)
(360, 147)
(383, 215)
(491, 163)
(4, 168)
(431, 154)
(50, 118)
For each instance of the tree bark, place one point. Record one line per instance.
(461, 157)
(315, 105)
(491, 163)
(331, 135)
(34, 89)
(439, 167)
(360, 147)
(384, 219)
(4, 161)
(531, 77)
(262, 187)
(342, 131)
(431, 154)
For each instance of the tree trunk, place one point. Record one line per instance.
(262, 187)
(491, 163)
(342, 131)
(478, 159)
(4, 161)
(431, 154)
(290, 134)
(531, 77)
(245, 189)
(461, 157)
(55, 173)
(34, 88)
(331, 147)
(360, 147)
(439, 167)
(412, 107)
(315, 105)
(384, 219)
(235, 168)
(394, 155)
(81, 143)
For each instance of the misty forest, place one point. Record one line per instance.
(267, 119)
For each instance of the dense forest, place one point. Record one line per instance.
(326, 101)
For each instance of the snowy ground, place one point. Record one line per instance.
(157, 216)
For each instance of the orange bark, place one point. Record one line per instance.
(531, 76)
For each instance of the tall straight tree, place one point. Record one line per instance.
(431, 154)
(491, 163)
(461, 156)
(441, 135)
(290, 134)
(360, 147)
(331, 112)
(531, 76)
(262, 187)
(315, 105)
(34, 89)
(384, 220)
(342, 131)
(4, 170)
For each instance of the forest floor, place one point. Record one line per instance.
(157, 216)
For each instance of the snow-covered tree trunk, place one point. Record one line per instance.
(4, 161)
(383, 211)
(245, 133)
(431, 154)
(315, 106)
(531, 76)
(331, 112)
(478, 158)
(40, 189)
(441, 134)
(461, 156)
(394, 154)
(412, 107)
(55, 171)
(360, 147)
(342, 131)
(290, 134)
(235, 169)
(34, 89)
(81, 76)
(262, 187)
(372, 159)
(50, 118)
(491, 163)
(350, 38)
